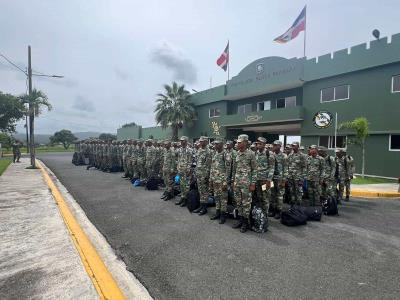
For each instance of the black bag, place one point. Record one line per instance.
(259, 220)
(75, 158)
(152, 184)
(330, 206)
(294, 216)
(193, 200)
(313, 213)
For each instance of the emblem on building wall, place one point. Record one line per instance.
(215, 128)
(260, 68)
(253, 118)
(322, 119)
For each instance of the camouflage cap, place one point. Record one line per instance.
(261, 140)
(217, 141)
(184, 138)
(295, 143)
(229, 142)
(301, 147)
(288, 147)
(203, 138)
(243, 138)
(278, 142)
(313, 147)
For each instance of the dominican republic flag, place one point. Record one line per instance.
(223, 60)
(298, 26)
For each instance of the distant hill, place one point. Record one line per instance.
(45, 138)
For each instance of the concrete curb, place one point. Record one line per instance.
(374, 194)
(102, 279)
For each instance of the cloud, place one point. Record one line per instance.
(83, 105)
(123, 75)
(173, 59)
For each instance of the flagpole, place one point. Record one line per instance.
(305, 34)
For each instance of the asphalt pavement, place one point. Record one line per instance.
(178, 255)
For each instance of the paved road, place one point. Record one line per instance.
(177, 255)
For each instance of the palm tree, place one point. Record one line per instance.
(36, 101)
(174, 108)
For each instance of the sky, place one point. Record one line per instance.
(116, 55)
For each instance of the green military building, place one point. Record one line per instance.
(275, 96)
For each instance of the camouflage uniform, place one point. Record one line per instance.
(203, 164)
(297, 171)
(265, 172)
(219, 176)
(151, 156)
(280, 176)
(329, 184)
(315, 174)
(140, 170)
(244, 174)
(169, 169)
(344, 174)
(184, 166)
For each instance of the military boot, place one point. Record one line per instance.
(222, 218)
(169, 197)
(179, 202)
(245, 225)
(164, 195)
(183, 204)
(347, 199)
(277, 214)
(216, 216)
(203, 210)
(271, 212)
(197, 210)
(238, 223)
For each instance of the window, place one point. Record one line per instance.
(280, 103)
(266, 105)
(329, 141)
(244, 109)
(394, 142)
(214, 112)
(290, 101)
(396, 84)
(341, 92)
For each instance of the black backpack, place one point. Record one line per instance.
(313, 213)
(294, 216)
(193, 200)
(330, 206)
(152, 184)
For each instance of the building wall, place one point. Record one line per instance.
(130, 132)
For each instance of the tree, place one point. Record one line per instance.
(129, 125)
(107, 137)
(12, 109)
(5, 140)
(65, 137)
(361, 127)
(36, 101)
(174, 108)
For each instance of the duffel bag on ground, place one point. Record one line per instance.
(294, 216)
(313, 213)
(152, 184)
(193, 200)
(330, 206)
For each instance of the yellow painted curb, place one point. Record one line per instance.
(375, 194)
(102, 279)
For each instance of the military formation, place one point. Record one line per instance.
(237, 174)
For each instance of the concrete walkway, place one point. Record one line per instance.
(37, 257)
(380, 187)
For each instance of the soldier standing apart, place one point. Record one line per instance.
(203, 164)
(169, 170)
(16, 148)
(279, 179)
(184, 167)
(245, 177)
(328, 188)
(315, 175)
(344, 172)
(297, 171)
(219, 176)
(265, 172)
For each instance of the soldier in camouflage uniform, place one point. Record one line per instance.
(344, 172)
(279, 179)
(169, 170)
(219, 176)
(133, 158)
(245, 176)
(328, 188)
(151, 153)
(140, 171)
(203, 164)
(124, 156)
(297, 171)
(315, 175)
(230, 155)
(184, 168)
(265, 172)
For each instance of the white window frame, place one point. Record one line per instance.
(393, 92)
(390, 142)
(214, 110)
(331, 140)
(295, 101)
(245, 112)
(334, 93)
(263, 102)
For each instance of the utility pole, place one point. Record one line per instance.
(31, 112)
(27, 136)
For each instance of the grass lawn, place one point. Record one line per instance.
(41, 149)
(371, 180)
(4, 163)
